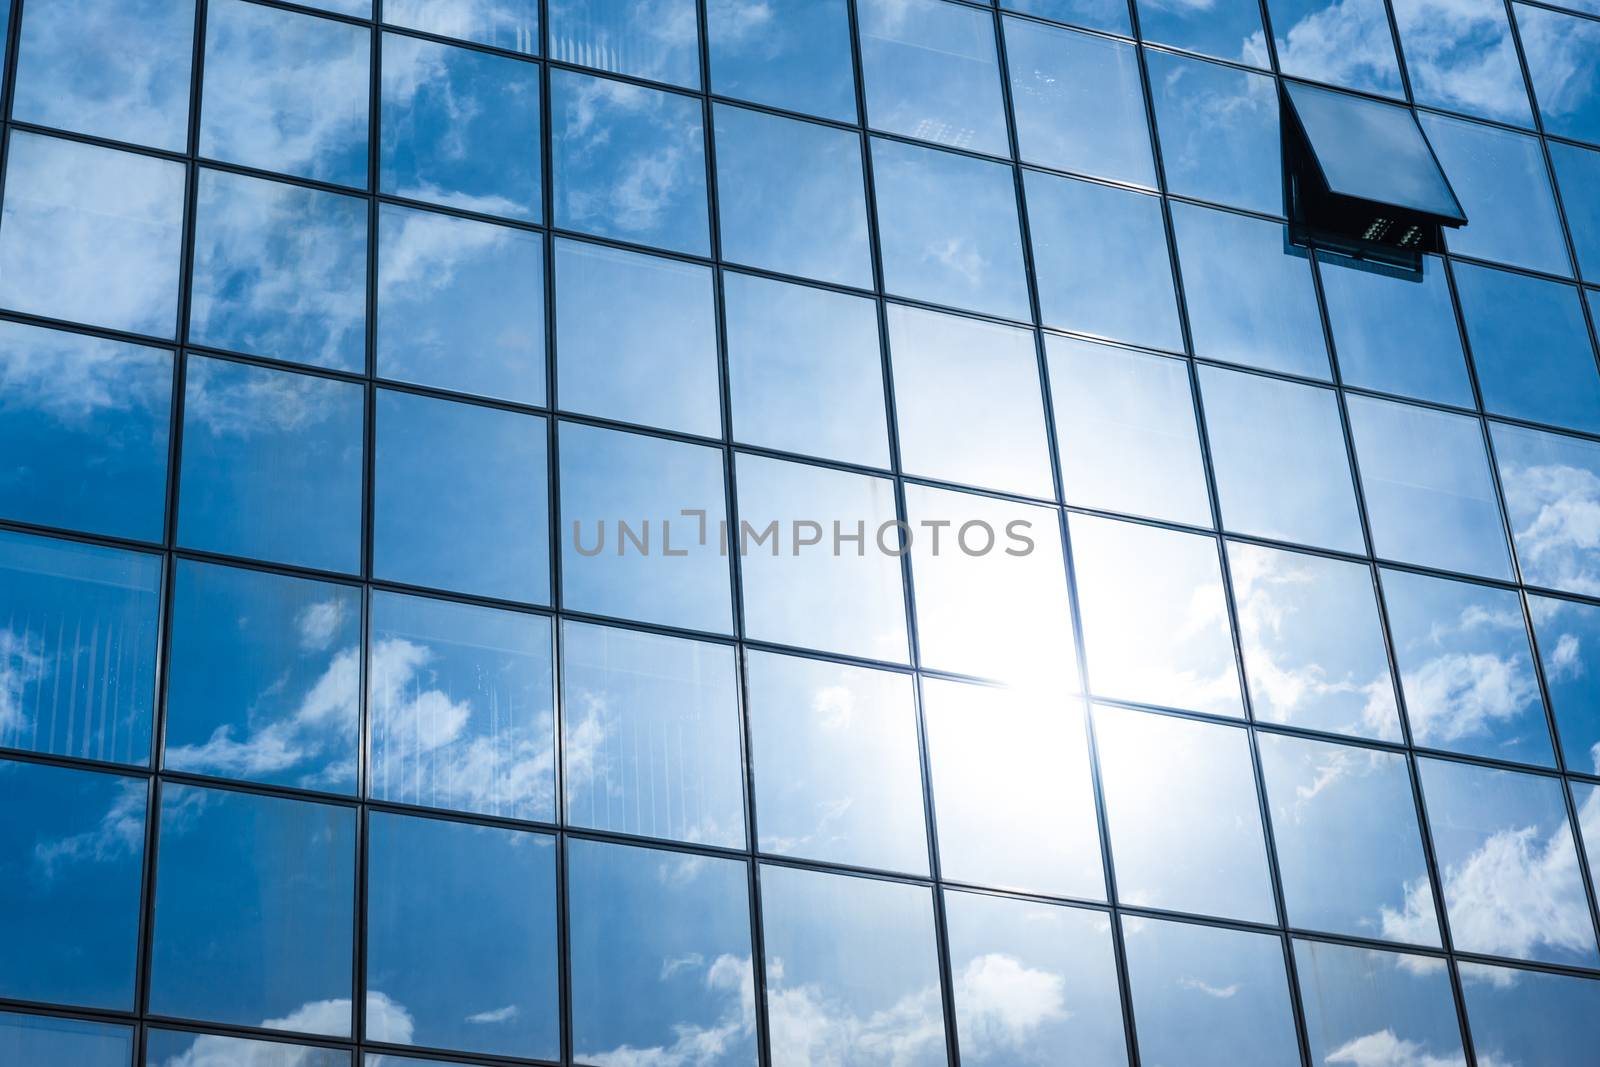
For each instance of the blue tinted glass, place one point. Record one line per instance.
(1343, 42)
(111, 68)
(84, 426)
(948, 229)
(462, 703)
(71, 853)
(44, 1039)
(930, 71)
(460, 127)
(1229, 29)
(1250, 294)
(1219, 133)
(1568, 634)
(271, 465)
(1530, 345)
(1102, 260)
(651, 735)
(78, 648)
(172, 1048)
(91, 235)
(641, 525)
(655, 39)
(508, 24)
(1425, 478)
(790, 197)
(286, 92)
(1551, 484)
(793, 54)
(1377, 1007)
(358, 8)
(1530, 1017)
(1463, 58)
(628, 162)
(1108, 15)
(280, 271)
(461, 937)
(636, 338)
(1578, 175)
(460, 500)
(460, 305)
(241, 936)
(1564, 63)
(661, 959)
(264, 678)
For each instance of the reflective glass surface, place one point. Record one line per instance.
(654, 39)
(1461, 57)
(509, 24)
(1344, 42)
(1578, 175)
(1528, 1016)
(793, 54)
(174, 1048)
(1108, 15)
(1380, 1007)
(1219, 132)
(930, 71)
(1563, 63)
(1226, 29)
(45, 1039)
(1568, 635)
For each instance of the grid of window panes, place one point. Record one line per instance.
(328, 743)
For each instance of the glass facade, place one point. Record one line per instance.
(698, 533)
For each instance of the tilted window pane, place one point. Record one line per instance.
(1185, 824)
(271, 465)
(1102, 261)
(508, 24)
(947, 227)
(930, 71)
(78, 648)
(460, 305)
(1349, 848)
(85, 424)
(793, 54)
(1155, 616)
(108, 68)
(1505, 851)
(1562, 61)
(91, 235)
(1463, 58)
(286, 92)
(462, 701)
(1343, 42)
(1425, 478)
(805, 373)
(1586, 798)
(636, 338)
(1219, 132)
(71, 863)
(241, 936)
(1125, 428)
(628, 162)
(461, 937)
(1379, 1006)
(652, 735)
(280, 271)
(852, 971)
(460, 127)
(1313, 647)
(655, 39)
(46, 1039)
(1011, 786)
(661, 963)
(1530, 1016)
(1550, 482)
(264, 678)
(790, 197)
(1108, 15)
(834, 755)
(967, 402)
(1578, 175)
(1569, 648)
(173, 1048)
(1061, 956)
(1229, 30)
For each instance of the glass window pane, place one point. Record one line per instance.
(264, 678)
(240, 936)
(655, 39)
(930, 71)
(1465, 668)
(1108, 15)
(173, 1048)
(1528, 1016)
(790, 197)
(46, 1039)
(1227, 30)
(71, 873)
(1378, 1006)
(460, 305)
(1569, 648)
(805, 373)
(460, 500)
(628, 162)
(271, 465)
(85, 425)
(948, 229)
(1562, 61)
(1011, 786)
(280, 271)
(358, 8)
(461, 937)
(652, 735)
(1551, 483)
(1464, 60)
(1313, 647)
(91, 235)
(852, 971)
(462, 700)
(967, 402)
(1126, 431)
(108, 68)
(1425, 478)
(508, 24)
(1155, 616)
(286, 92)
(835, 761)
(1219, 133)
(460, 127)
(1035, 984)
(1578, 175)
(793, 54)
(1343, 42)
(1185, 824)
(636, 338)
(1102, 261)
(1509, 865)
(661, 959)
(78, 650)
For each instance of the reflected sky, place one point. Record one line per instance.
(1578, 175)
(793, 54)
(654, 39)
(1527, 1017)
(930, 71)
(1564, 62)
(42, 1039)
(1377, 1009)
(1552, 487)
(1569, 649)
(1226, 29)
(1108, 15)
(1219, 132)
(509, 24)
(174, 1048)
(1461, 57)
(1344, 42)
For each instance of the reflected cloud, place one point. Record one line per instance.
(512, 24)
(233, 401)
(1460, 55)
(808, 1025)
(319, 1017)
(1346, 42)
(1227, 992)
(120, 833)
(728, 978)
(1004, 1002)
(1383, 1048)
(1555, 511)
